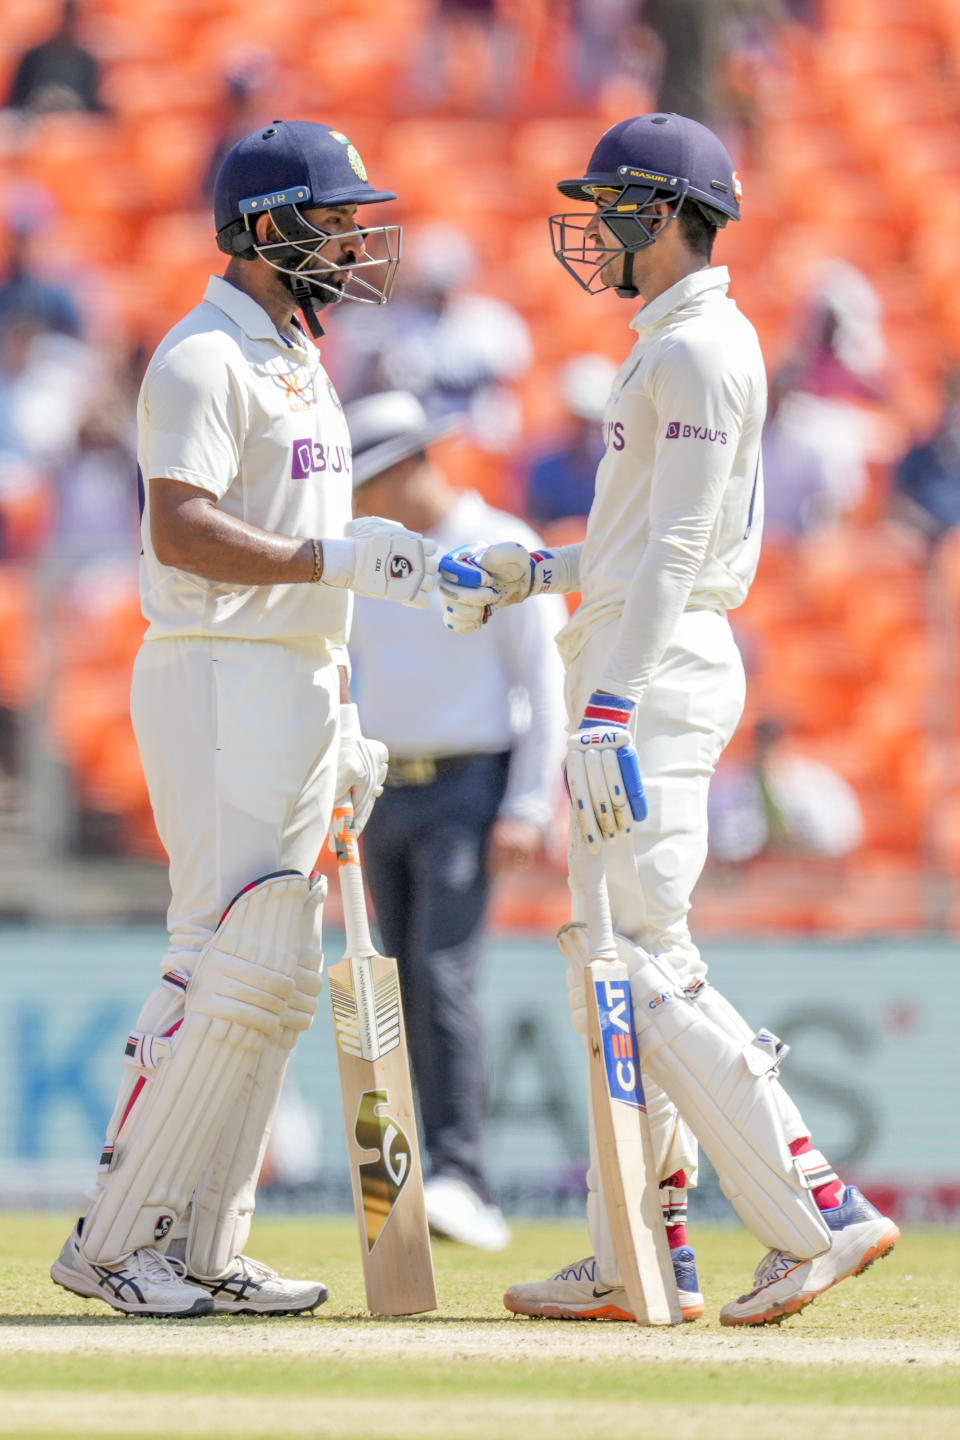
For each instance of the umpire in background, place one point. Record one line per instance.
(476, 734)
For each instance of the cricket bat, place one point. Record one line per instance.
(377, 1093)
(624, 1149)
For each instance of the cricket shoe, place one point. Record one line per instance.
(146, 1283)
(252, 1288)
(577, 1293)
(457, 1212)
(782, 1285)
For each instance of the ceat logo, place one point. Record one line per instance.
(400, 567)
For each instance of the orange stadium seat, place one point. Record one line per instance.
(20, 656)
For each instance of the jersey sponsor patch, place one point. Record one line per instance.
(313, 457)
(677, 430)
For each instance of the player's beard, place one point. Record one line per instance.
(326, 287)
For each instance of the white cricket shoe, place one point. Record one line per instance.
(252, 1288)
(146, 1283)
(457, 1212)
(577, 1293)
(782, 1285)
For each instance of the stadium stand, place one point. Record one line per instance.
(851, 632)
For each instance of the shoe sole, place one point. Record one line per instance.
(602, 1312)
(776, 1314)
(225, 1308)
(199, 1308)
(567, 1312)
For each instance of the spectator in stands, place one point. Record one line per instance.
(58, 74)
(46, 382)
(926, 481)
(26, 294)
(559, 481)
(780, 801)
(96, 505)
(822, 424)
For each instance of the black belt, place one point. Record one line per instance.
(425, 769)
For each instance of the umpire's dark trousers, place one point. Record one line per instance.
(425, 858)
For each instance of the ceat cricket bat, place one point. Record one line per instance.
(375, 1084)
(624, 1148)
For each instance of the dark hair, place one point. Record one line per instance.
(697, 229)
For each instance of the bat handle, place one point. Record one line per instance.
(597, 908)
(350, 875)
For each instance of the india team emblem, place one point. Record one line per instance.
(353, 155)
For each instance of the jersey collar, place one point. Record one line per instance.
(244, 311)
(715, 277)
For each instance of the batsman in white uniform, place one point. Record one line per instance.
(655, 689)
(242, 712)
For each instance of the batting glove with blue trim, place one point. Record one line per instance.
(476, 580)
(601, 771)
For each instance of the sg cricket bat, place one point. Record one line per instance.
(375, 1084)
(624, 1148)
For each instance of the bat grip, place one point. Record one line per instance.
(596, 902)
(350, 875)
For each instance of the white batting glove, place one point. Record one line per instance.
(383, 560)
(573, 946)
(601, 771)
(476, 580)
(361, 767)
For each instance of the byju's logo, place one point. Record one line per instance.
(676, 431)
(312, 457)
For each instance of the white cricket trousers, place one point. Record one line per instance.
(680, 728)
(238, 740)
(685, 719)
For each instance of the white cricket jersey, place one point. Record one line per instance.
(676, 519)
(426, 691)
(228, 405)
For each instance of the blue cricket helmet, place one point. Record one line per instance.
(642, 161)
(291, 162)
(286, 168)
(663, 153)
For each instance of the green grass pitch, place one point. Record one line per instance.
(878, 1358)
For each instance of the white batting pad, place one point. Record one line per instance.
(235, 999)
(723, 1087)
(222, 1207)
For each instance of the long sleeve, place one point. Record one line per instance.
(689, 482)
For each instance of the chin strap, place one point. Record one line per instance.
(628, 291)
(307, 304)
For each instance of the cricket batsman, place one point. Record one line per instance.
(243, 718)
(654, 691)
